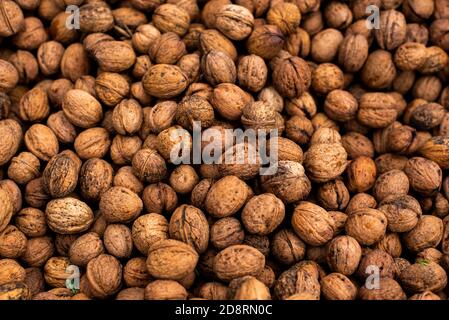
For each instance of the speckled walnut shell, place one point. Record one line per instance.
(265, 41)
(218, 67)
(325, 162)
(104, 276)
(24, 168)
(60, 176)
(238, 261)
(242, 160)
(390, 183)
(114, 56)
(6, 209)
(366, 225)
(111, 88)
(333, 195)
(189, 224)
(227, 196)
(252, 72)
(95, 178)
(437, 149)
(423, 276)
(427, 233)
(290, 183)
(161, 116)
(287, 247)
(171, 259)
(147, 230)
(262, 214)
(34, 105)
(302, 278)
(164, 81)
(10, 271)
(159, 198)
(62, 128)
(38, 251)
(68, 215)
(127, 117)
(85, 248)
(120, 204)
(377, 110)
(226, 232)
(402, 212)
(380, 259)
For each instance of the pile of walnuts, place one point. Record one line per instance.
(358, 207)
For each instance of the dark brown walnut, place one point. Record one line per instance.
(194, 108)
(427, 233)
(301, 278)
(119, 204)
(312, 223)
(31, 222)
(68, 215)
(379, 259)
(189, 224)
(62, 128)
(430, 254)
(339, 220)
(171, 259)
(85, 248)
(165, 290)
(135, 273)
(427, 116)
(12, 242)
(104, 276)
(226, 232)
(390, 183)
(60, 176)
(95, 178)
(287, 247)
(213, 291)
(164, 81)
(159, 198)
(333, 195)
(118, 240)
(63, 243)
(262, 214)
(337, 286)
(238, 261)
(261, 243)
(149, 166)
(367, 225)
(388, 289)
(327, 77)
(423, 276)
(402, 212)
(227, 196)
(199, 193)
(248, 288)
(292, 77)
(252, 72)
(379, 70)
(149, 229)
(425, 175)
(290, 183)
(299, 129)
(34, 280)
(343, 255)
(353, 52)
(389, 161)
(265, 41)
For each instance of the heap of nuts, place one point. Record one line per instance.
(92, 111)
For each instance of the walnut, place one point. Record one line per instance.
(85, 248)
(12, 242)
(292, 77)
(171, 259)
(31, 222)
(38, 251)
(68, 215)
(388, 289)
(377, 110)
(229, 100)
(425, 175)
(333, 195)
(262, 214)
(380, 259)
(226, 232)
(135, 273)
(287, 247)
(104, 276)
(402, 212)
(302, 278)
(238, 261)
(366, 225)
(165, 290)
(248, 288)
(218, 67)
(423, 276)
(149, 166)
(265, 41)
(344, 254)
(252, 72)
(325, 162)
(235, 21)
(427, 233)
(149, 229)
(393, 182)
(55, 273)
(120, 204)
(189, 224)
(11, 132)
(337, 286)
(164, 81)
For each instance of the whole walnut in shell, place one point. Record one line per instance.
(104, 276)
(120, 204)
(149, 229)
(68, 215)
(367, 225)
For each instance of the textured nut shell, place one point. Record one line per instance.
(312, 224)
(227, 196)
(60, 176)
(402, 212)
(118, 240)
(165, 290)
(425, 276)
(164, 81)
(263, 214)
(171, 259)
(189, 224)
(81, 108)
(325, 162)
(238, 261)
(149, 166)
(120, 204)
(149, 229)
(6, 209)
(11, 132)
(68, 215)
(343, 255)
(367, 225)
(41, 141)
(336, 286)
(104, 275)
(85, 248)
